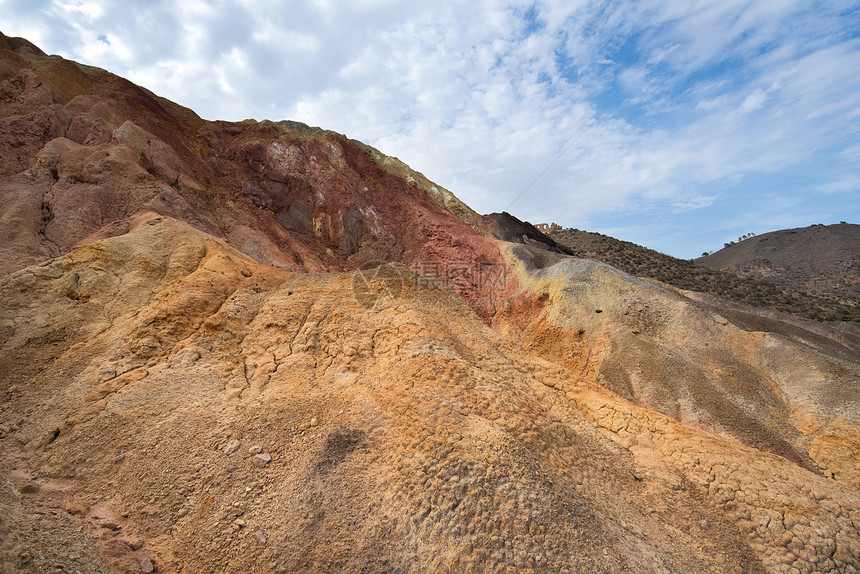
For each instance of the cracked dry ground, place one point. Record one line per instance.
(144, 375)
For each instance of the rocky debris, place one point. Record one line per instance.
(36, 534)
(231, 447)
(307, 425)
(146, 565)
(73, 507)
(262, 460)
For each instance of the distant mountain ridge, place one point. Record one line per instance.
(820, 259)
(757, 289)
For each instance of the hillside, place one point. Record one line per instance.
(84, 151)
(752, 288)
(263, 347)
(820, 259)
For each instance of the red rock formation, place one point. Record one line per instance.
(85, 152)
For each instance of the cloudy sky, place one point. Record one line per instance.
(679, 125)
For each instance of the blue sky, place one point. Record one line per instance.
(685, 124)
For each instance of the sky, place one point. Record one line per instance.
(676, 125)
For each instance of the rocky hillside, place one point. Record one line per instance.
(84, 152)
(752, 288)
(819, 259)
(263, 347)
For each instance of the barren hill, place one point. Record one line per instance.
(203, 369)
(819, 259)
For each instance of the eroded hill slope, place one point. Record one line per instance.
(145, 373)
(735, 371)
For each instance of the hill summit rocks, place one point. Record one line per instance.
(263, 347)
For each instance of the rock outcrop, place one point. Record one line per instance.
(506, 227)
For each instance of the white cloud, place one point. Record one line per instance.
(848, 184)
(89, 10)
(681, 97)
(753, 101)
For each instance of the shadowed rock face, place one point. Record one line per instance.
(506, 227)
(200, 372)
